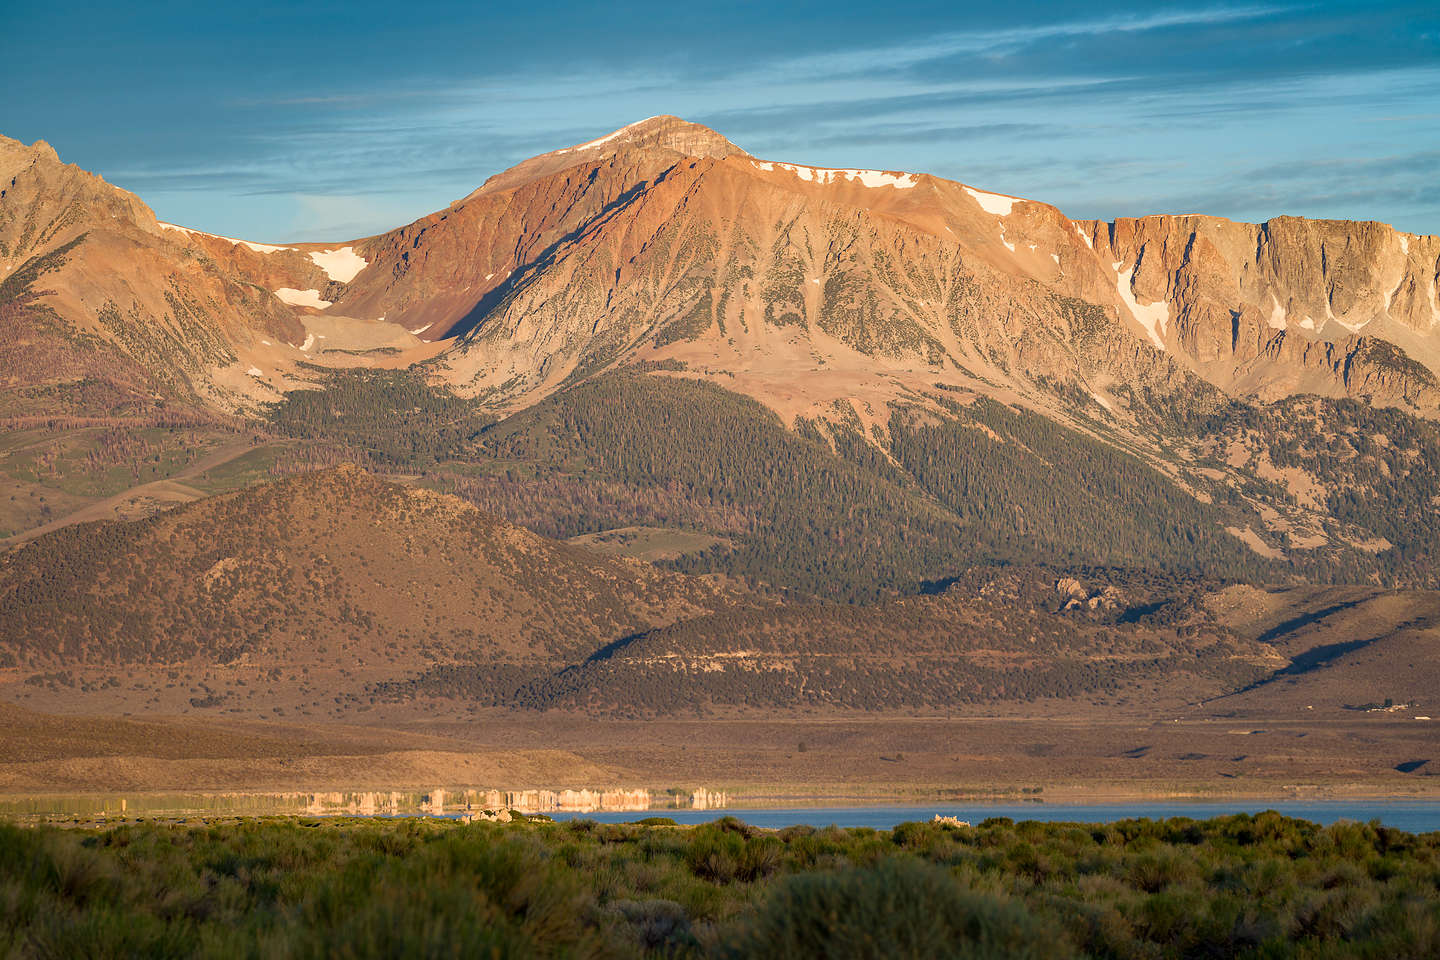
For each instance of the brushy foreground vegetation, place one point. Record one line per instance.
(1242, 886)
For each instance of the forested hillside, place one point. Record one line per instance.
(1329, 491)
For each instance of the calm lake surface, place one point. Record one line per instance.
(1416, 817)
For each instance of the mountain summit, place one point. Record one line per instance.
(802, 286)
(664, 133)
(664, 241)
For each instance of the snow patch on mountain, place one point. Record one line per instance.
(302, 298)
(995, 203)
(1390, 294)
(1085, 236)
(1153, 317)
(1352, 327)
(257, 247)
(1277, 313)
(340, 265)
(879, 178)
(828, 175)
(607, 138)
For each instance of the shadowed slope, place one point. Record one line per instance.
(330, 568)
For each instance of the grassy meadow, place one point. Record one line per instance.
(1261, 886)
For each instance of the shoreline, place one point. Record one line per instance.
(91, 765)
(457, 800)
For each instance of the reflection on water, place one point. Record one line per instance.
(687, 806)
(363, 803)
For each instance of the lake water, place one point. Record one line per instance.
(1416, 817)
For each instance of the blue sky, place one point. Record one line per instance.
(329, 120)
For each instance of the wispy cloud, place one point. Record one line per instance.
(899, 56)
(1251, 108)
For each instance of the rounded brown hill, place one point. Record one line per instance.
(334, 567)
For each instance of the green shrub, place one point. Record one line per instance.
(715, 854)
(899, 908)
(660, 926)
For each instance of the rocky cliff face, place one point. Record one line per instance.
(664, 241)
(802, 286)
(1291, 305)
(94, 288)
